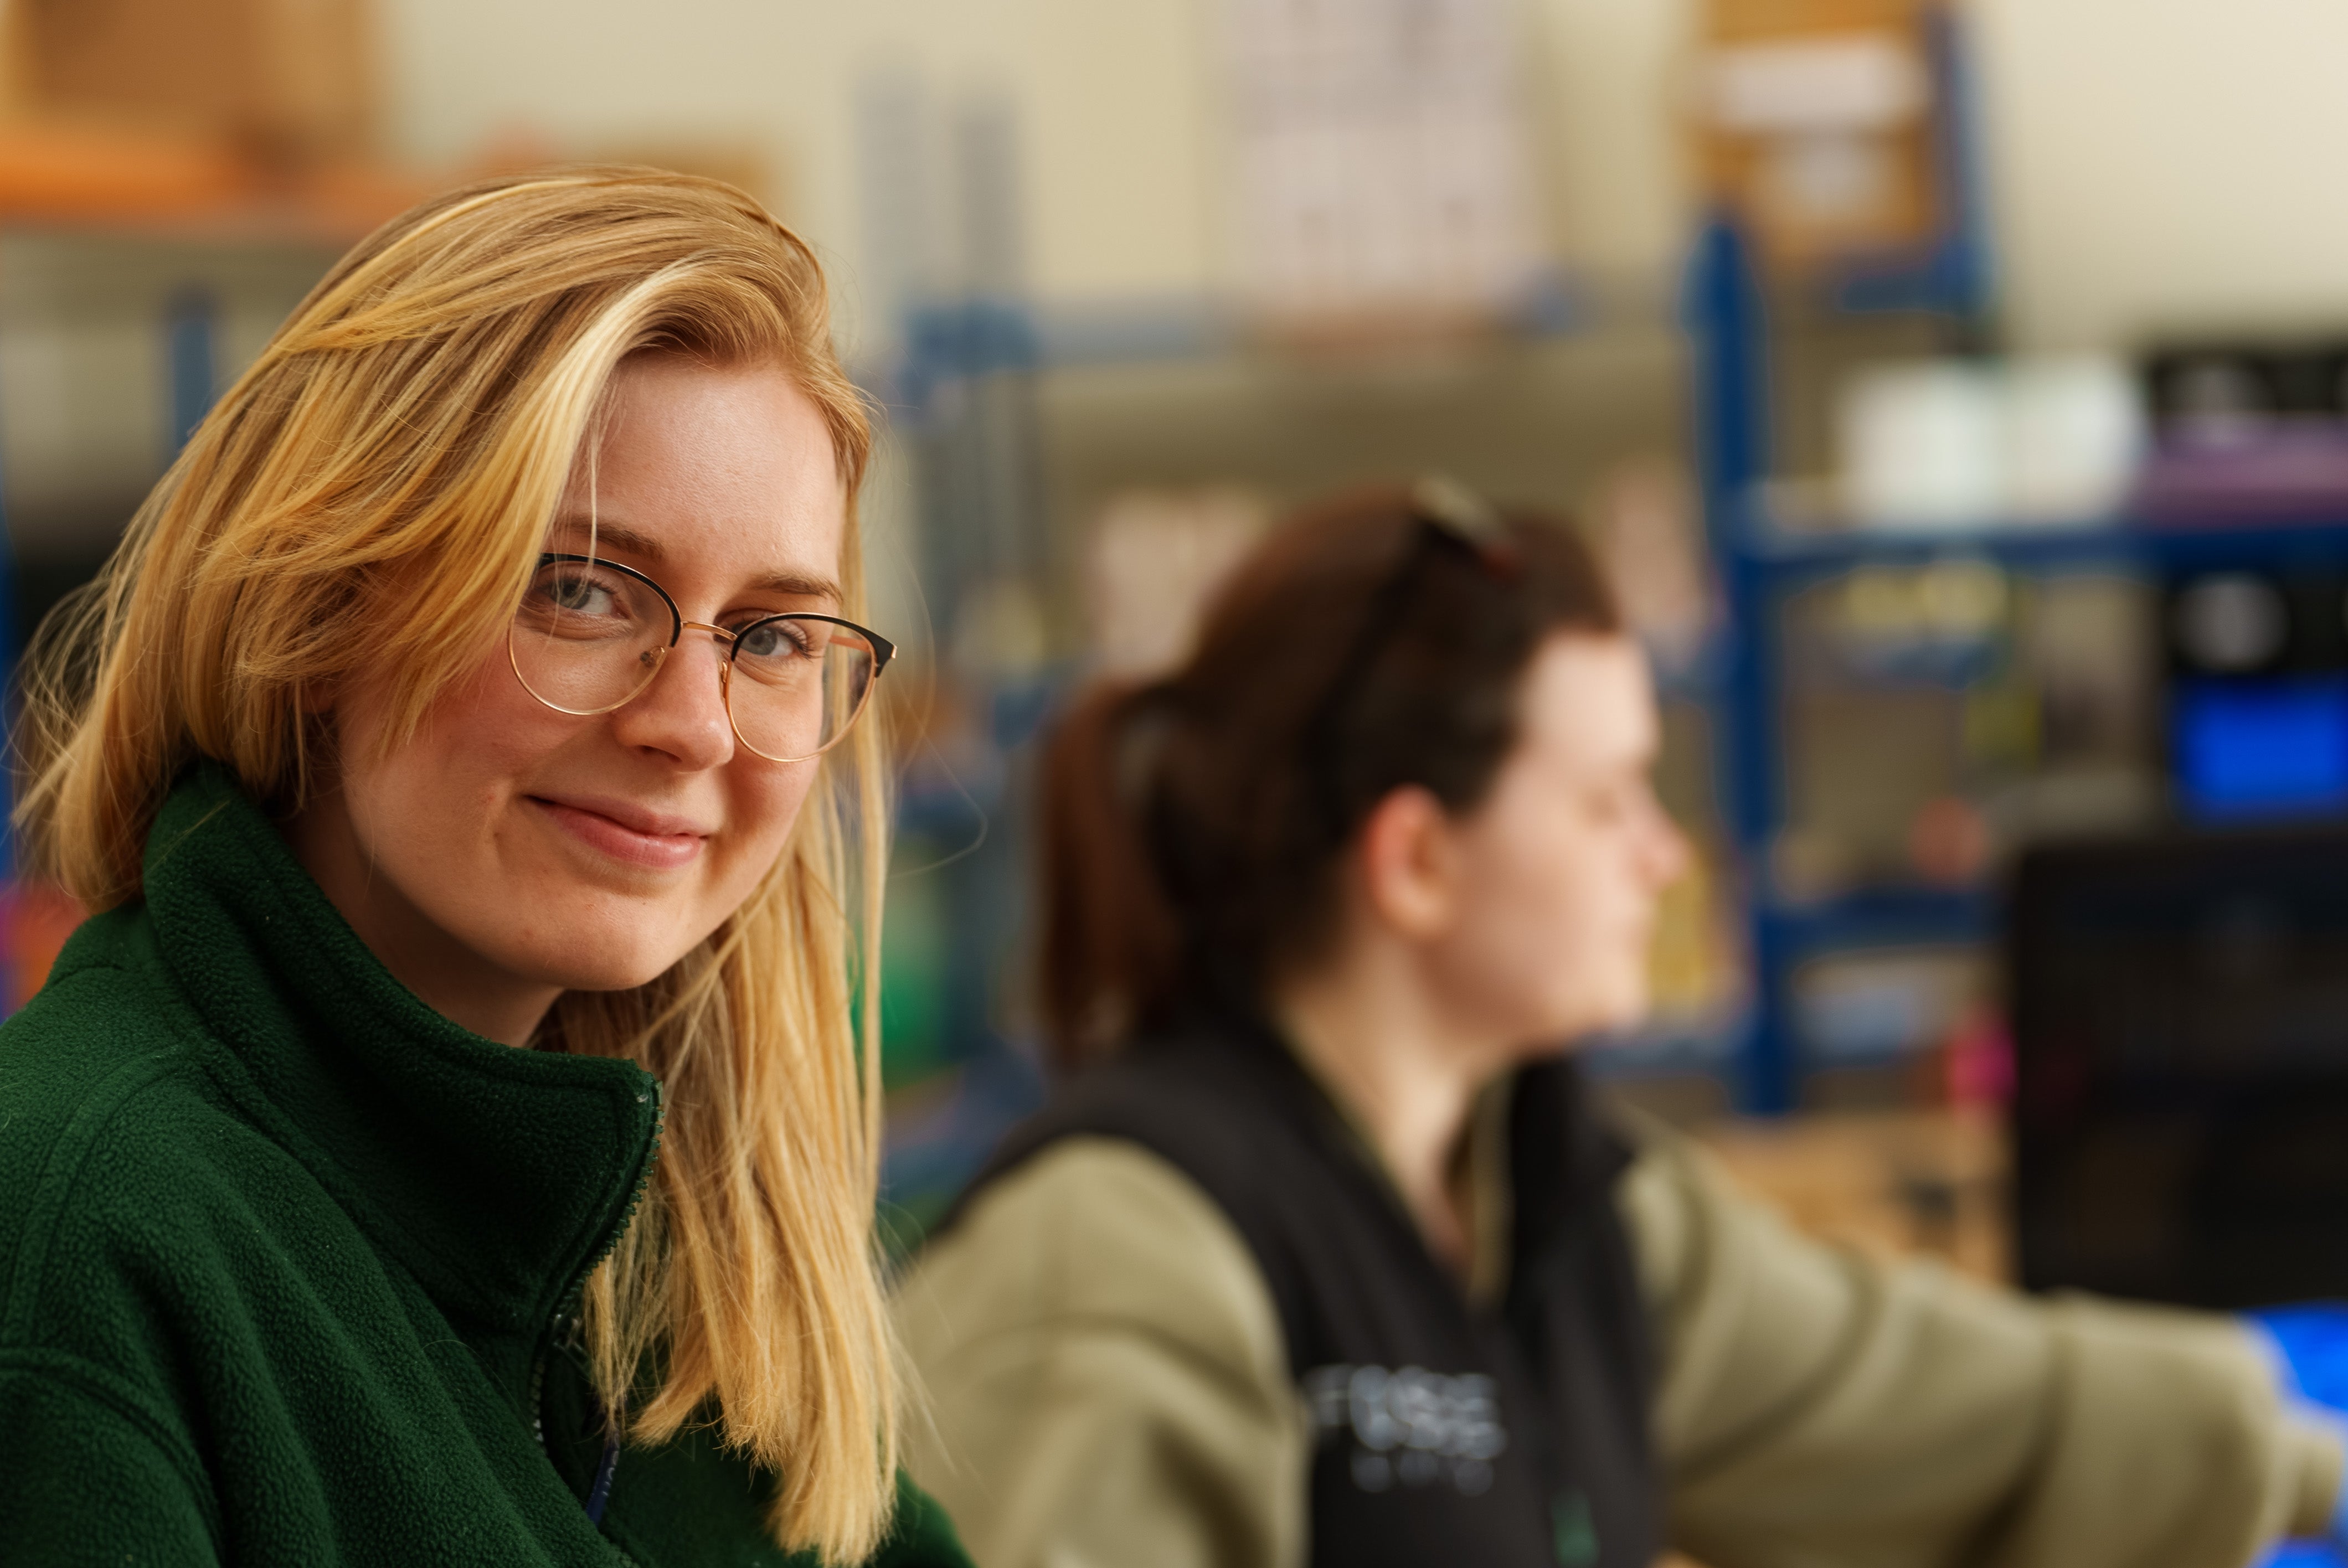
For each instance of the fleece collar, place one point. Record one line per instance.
(496, 1176)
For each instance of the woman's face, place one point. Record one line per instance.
(510, 852)
(1554, 876)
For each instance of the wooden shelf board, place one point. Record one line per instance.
(76, 176)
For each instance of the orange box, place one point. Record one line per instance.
(292, 81)
(1815, 120)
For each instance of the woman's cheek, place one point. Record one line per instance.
(766, 812)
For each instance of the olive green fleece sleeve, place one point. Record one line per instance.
(1817, 1406)
(1109, 1387)
(1105, 1375)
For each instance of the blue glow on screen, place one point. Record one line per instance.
(2302, 1554)
(2272, 748)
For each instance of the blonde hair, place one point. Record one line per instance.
(374, 491)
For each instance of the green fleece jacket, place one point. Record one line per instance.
(285, 1255)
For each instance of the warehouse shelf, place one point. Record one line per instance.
(1762, 545)
(102, 177)
(75, 177)
(959, 340)
(1764, 558)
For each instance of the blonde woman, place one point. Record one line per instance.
(447, 1142)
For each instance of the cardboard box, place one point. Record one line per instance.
(290, 81)
(1817, 121)
(1731, 21)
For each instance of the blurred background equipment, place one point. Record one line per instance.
(1383, 164)
(2181, 1114)
(1819, 122)
(292, 80)
(1156, 557)
(2259, 692)
(2248, 428)
(1956, 442)
(174, 177)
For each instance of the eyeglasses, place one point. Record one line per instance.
(1444, 514)
(589, 635)
(1449, 511)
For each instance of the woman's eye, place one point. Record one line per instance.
(1614, 803)
(580, 596)
(774, 639)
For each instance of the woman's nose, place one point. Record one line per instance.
(683, 713)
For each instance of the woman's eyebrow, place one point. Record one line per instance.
(603, 532)
(619, 536)
(798, 584)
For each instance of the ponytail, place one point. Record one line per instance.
(1111, 935)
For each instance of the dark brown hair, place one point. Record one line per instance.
(1192, 825)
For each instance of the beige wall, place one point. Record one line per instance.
(1109, 97)
(2154, 161)
(2162, 163)
(1605, 76)
(1116, 98)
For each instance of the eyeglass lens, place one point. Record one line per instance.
(587, 638)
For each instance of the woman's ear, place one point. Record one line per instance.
(1409, 864)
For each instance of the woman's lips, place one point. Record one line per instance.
(647, 841)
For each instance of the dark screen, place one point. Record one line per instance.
(2180, 1015)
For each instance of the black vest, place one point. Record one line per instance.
(1511, 1436)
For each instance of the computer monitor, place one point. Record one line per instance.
(2180, 1025)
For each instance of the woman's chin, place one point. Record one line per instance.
(1628, 1015)
(598, 965)
(1596, 1017)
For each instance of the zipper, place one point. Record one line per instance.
(567, 1322)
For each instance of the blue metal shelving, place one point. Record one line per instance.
(1951, 275)
(1762, 562)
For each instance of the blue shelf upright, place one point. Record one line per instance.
(1728, 315)
(1758, 568)
(191, 325)
(1950, 275)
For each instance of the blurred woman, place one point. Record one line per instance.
(1325, 1252)
(447, 1142)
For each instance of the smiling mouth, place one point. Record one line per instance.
(631, 845)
